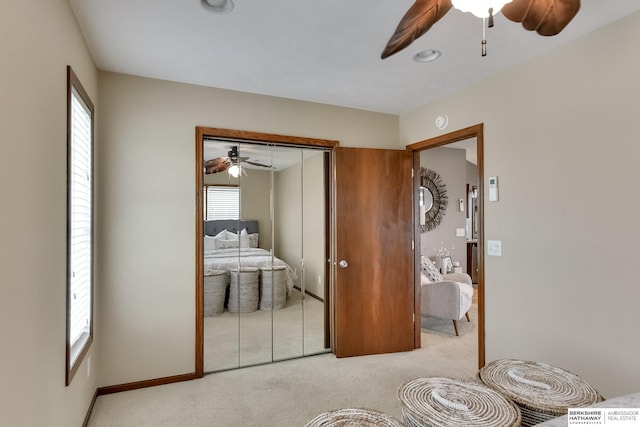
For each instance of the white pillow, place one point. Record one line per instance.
(253, 240)
(429, 269)
(231, 236)
(221, 235)
(209, 243)
(245, 242)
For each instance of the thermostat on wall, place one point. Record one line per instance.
(493, 188)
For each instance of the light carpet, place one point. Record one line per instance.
(242, 339)
(291, 393)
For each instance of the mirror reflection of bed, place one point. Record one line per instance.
(269, 255)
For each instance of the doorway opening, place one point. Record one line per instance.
(461, 247)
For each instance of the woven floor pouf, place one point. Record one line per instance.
(273, 287)
(244, 293)
(447, 402)
(354, 417)
(215, 289)
(541, 391)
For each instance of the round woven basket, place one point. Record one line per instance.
(541, 391)
(445, 402)
(273, 288)
(215, 289)
(354, 417)
(243, 290)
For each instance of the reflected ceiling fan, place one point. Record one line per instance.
(232, 162)
(546, 17)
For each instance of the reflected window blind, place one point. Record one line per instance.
(80, 259)
(221, 202)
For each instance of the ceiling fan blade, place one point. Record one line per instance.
(219, 164)
(257, 164)
(546, 17)
(417, 21)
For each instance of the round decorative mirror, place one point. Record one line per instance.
(433, 199)
(426, 198)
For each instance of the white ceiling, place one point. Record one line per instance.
(321, 51)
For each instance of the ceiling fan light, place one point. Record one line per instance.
(479, 8)
(235, 171)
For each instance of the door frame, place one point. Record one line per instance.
(256, 137)
(477, 132)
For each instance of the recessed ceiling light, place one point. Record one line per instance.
(221, 7)
(427, 55)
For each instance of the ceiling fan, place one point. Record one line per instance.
(546, 17)
(232, 162)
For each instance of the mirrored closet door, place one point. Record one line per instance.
(264, 253)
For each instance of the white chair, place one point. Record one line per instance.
(447, 296)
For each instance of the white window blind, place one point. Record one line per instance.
(221, 202)
(80, 223)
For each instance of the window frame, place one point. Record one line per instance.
(205, 199)
(77, 351)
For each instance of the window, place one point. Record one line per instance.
(221, 202)
(79, 224)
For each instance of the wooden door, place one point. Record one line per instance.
(374, 303)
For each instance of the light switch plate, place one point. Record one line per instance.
(460, 232)
(494, 247)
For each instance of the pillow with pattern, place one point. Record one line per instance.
(424, 280)
(227, 244)
(429, 269)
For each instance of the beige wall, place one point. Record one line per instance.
(147, 193)
(561, 133)
(314, 225)
(39, 40)
(288, 218)
(300, 220)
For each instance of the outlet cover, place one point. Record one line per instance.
(494, 247)
(460, 232)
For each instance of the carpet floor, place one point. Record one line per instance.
(292, 392)
(232, 339)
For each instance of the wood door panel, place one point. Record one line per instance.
(374, 229)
